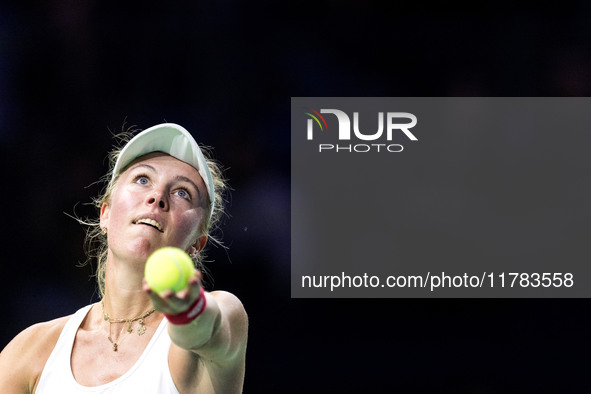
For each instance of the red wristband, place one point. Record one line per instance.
(190, 314)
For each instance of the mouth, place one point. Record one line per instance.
(149, 222)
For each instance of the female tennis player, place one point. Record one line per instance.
(161, 192)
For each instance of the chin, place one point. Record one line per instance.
(142, 249)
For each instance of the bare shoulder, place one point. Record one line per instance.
(23, 359)
(229, 300)
(232, 308)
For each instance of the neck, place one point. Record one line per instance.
(124, 297)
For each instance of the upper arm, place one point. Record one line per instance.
(23, 359)
(15, 376)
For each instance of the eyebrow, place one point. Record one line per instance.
(143, 165)
(178, 178)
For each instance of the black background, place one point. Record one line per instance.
(70, 71)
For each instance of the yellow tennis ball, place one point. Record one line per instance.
(168, 268)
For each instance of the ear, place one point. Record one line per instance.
(105, 210)
(200, 243)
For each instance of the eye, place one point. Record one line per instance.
(183, 193)
(142, 180)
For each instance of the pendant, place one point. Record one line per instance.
(114, 343)
(141, 329)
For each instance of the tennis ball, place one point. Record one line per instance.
(168, 268)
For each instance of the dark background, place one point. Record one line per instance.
(72, 71)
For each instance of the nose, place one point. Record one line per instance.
(159, 199)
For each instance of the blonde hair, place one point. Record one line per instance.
(96, 244)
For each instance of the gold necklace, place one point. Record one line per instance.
(140, 330)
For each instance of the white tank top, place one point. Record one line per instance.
(150, 374)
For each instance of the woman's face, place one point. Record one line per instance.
(158, 201)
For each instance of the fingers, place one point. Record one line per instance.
(192, 289)
(174, 303)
